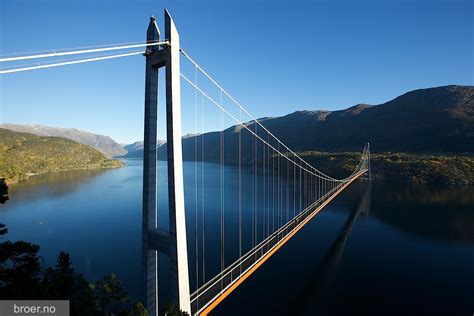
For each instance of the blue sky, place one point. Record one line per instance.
(275, 57)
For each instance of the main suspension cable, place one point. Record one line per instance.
(71, 62)
(84, 51)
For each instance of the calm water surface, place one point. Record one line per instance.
(378, 249)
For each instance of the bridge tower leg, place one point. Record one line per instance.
(149, 260)
(172, 243)
(180, 294)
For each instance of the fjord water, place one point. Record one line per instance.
(377, 249)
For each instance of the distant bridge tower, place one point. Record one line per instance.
(173, 242)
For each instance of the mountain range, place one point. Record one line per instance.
(135, 150)
(104, 144)
(426, 121)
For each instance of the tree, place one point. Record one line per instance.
(138, 310)
(62, 282)
(110, 295)
(173, 310)
(19, 270)
(21, 277)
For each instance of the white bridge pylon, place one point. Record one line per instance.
(173, 242)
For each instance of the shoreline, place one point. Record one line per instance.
(33, 174)
(391, 167)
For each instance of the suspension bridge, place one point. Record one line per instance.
(275, 192)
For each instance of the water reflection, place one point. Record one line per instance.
(441, 213)
(313, 297)
(52, 184)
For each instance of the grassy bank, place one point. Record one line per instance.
(399, 167)
(23, 155)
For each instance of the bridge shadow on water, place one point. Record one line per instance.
(313, 298)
